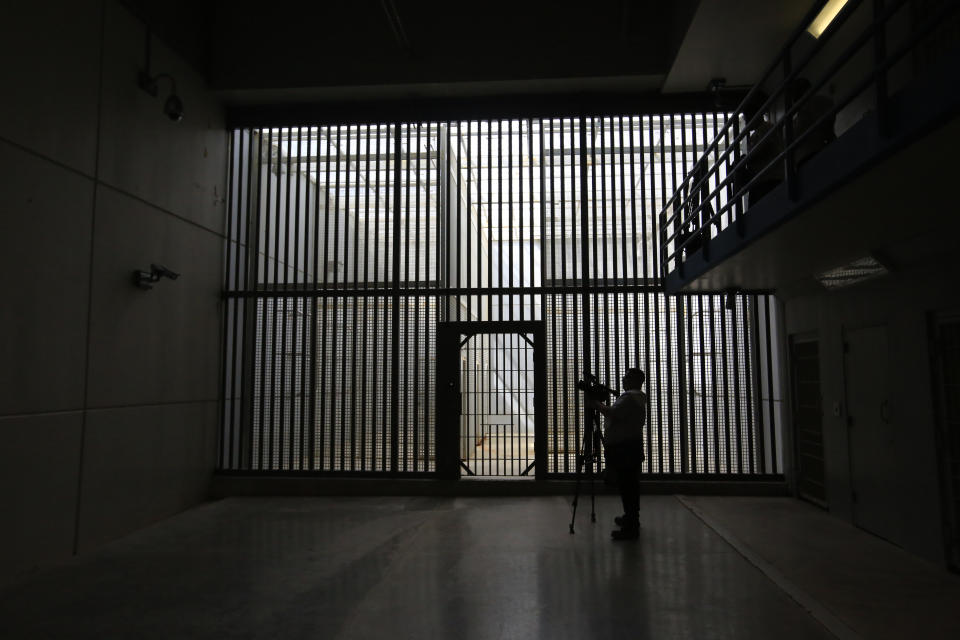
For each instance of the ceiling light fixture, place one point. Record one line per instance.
(855, 272)
(825, 17)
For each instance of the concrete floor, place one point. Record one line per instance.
(430, 567)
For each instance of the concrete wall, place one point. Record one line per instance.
(902, 303)
(108, 393)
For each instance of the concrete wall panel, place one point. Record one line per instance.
(901, 303)
(51, 54)
(160, 345)
(39, 490)
(179, 167)
(44, 262)
(74, 226)
(142, 464)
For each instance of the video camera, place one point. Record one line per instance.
(593, 390)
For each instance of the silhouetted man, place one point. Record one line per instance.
(624, 449)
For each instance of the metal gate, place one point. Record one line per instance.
(349, 246)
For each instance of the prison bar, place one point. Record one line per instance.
(349, 245)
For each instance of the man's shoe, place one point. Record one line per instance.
(621, 521)
(625, 534)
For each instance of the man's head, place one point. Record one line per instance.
(633, 379)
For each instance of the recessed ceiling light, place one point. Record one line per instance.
(855, 272)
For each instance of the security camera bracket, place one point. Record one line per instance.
(148, 83)
(145, 279)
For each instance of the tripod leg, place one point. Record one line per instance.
(593, 493)
(594, 461)
(582, 458)
(576, 493)
(575, 497)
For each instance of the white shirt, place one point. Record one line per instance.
(629, 416)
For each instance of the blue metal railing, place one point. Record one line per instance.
(770, 134)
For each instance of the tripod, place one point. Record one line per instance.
(589, 454)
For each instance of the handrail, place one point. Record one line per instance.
(784, 52)
(692, 197)
(793, 110)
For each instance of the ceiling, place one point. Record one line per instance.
(292, 51)
(733, 40)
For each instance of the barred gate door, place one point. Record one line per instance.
(495, 415)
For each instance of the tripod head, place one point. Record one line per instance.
(594, 391)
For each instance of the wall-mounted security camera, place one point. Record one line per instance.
(173, 107)
(145, 279)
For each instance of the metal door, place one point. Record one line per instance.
(873, 455)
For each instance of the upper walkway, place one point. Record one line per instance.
(839, 152)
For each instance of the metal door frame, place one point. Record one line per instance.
(792, 341)
(448, 389)
(950, 515)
